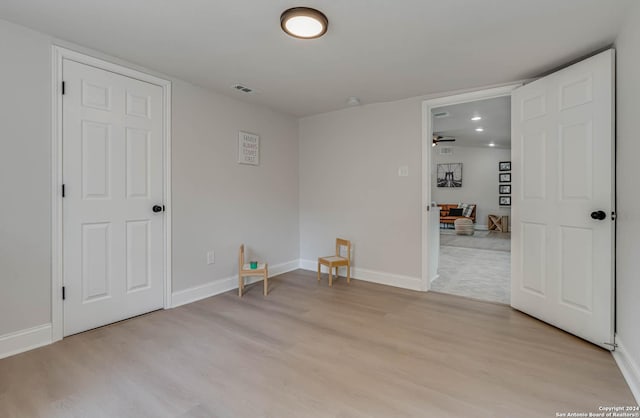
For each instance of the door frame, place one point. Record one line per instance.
(58, 54)
(427, 132)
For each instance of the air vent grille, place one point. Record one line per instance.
(441, 114)
(242, 88)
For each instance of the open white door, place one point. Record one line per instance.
(563, 202)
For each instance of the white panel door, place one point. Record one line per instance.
(562, 153)
(113, 175)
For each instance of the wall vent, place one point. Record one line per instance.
(445, 150)
(242, 88)
(441, 114)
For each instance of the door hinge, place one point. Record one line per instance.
(613, 216)
(63, 192)
(163, 208)
(614, 345)
(63, 87)
(64, 292)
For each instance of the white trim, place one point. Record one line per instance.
(629, 367)
(427, 132)
(57, 267)
(373, 276)
(24, 340)
(193, 294)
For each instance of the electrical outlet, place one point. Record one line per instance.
(403, 171)
(211, 257)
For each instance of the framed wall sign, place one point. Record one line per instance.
(505, 177)
(248, 148)
(504, 166)
(505, 189)
(505, 200)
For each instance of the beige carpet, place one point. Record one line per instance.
(477, 266)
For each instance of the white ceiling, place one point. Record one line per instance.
(496, 122)
(377, 50)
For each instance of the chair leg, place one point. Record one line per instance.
(266, 282)
(330, 276)
(349, 273)
(337, 272)
(240, 285)
(318, 271)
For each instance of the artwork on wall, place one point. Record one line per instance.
(248, 148)
(504, 189)
(505, 177)
(449, 175)
(505, 200)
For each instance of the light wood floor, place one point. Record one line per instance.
(306, 350)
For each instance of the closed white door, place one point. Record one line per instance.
(113, 241)
(563, 203)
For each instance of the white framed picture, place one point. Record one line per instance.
(248, 148)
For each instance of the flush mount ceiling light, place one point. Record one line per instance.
(492, 144)
(475, 118)
(479, 129)
(304, 22)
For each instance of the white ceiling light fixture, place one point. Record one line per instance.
(479, 129)
(492, 144)
(353, 101)
(476, 118)
(304, 22)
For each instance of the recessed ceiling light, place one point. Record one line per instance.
(491, 144)
(479, 129)
(475, 118)
(304, 22)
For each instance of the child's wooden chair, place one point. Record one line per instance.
(245, 270)
(337, 260)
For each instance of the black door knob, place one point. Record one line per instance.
(157, 208)
(598, 215)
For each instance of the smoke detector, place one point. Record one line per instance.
(353, 101)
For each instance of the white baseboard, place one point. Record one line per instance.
(629, 367)
(380, 277)
(24, 340)
(478, 227)
(193, 294)
(434, 278)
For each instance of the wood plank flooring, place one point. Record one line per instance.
(306, 350)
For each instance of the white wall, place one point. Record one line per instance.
(628, 198)
(25, 142)
(479, 180)
(217, 204)
(349, 185)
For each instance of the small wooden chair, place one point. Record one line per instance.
(337, 260)
(245, 270)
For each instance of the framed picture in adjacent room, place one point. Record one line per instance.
(449, 175)
(505, 177)
(505, 189)
(505, 200)
(504, 166)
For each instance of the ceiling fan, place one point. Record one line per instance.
(439, 138)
